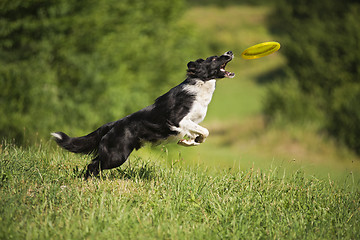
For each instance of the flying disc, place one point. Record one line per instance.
(260, 50)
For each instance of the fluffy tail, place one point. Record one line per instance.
(86, 144)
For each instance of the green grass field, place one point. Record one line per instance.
(247, 181)
(42, 197)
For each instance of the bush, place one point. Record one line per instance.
(321, 43)
(344, 117)
(285, 97)
(71, 65)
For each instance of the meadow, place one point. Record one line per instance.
(247, 181)
(44, 197)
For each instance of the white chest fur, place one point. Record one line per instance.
(203, 92)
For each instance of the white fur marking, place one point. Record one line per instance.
(56, 135)
(188, 126)
(203, 93)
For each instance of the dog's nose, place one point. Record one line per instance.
(229, 53)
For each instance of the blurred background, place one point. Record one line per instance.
(74, 65)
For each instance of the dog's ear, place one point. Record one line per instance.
(191, 66)
(194, 65)
(200, 60)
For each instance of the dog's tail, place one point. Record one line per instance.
(86, 144)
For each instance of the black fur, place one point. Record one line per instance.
(113, 142)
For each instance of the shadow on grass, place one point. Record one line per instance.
(137, 170)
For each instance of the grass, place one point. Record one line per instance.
(43, 197)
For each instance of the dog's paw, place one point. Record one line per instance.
(187, 143)
(200, 139)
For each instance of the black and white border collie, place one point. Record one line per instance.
(177, 113)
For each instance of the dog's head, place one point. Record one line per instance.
(211, 68)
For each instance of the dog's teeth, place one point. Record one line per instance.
(230, 74)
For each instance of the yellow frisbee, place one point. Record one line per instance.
(260, 50)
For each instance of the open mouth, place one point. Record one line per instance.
(227, 74)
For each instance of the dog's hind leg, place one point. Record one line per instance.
(114, 158)
(115, 148)
(93, 168)
(106, 160)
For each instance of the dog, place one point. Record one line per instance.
(177, 114)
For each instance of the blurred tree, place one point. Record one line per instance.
(73, 65)
(321, 41)
(222, 3)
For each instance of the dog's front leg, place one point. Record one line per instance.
(195, 132)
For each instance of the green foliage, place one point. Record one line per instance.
(69, 65)
(42, 197)
(320, 40)
(344, 117)
(287, 98)
(222, 3)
